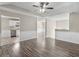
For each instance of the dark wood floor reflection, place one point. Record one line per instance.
(34, 48)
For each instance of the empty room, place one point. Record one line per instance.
(39, 29)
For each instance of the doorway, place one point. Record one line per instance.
(10, 30)
(14, 27)
(41, 32)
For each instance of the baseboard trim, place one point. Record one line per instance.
(27, 39)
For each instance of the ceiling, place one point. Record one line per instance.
(59, 7)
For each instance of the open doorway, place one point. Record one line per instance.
(10, 30)
(14, 27)
(41, 32)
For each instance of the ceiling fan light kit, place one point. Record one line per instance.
(43, 6)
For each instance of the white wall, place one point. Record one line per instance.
(63, 16)
(68, 36)
(57, 22)
(5, 30)
(74, 22)
(28, 27)
(51, 25)
(28, 23)
(62, 24)
(73, 34)
(26, 35)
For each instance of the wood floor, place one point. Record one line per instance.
(45, 48)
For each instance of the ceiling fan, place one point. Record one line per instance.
(43, 6)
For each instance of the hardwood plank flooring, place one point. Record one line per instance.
(34, 48)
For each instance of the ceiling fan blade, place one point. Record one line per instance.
(35, 5)
(49, 8)
(47, 3)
